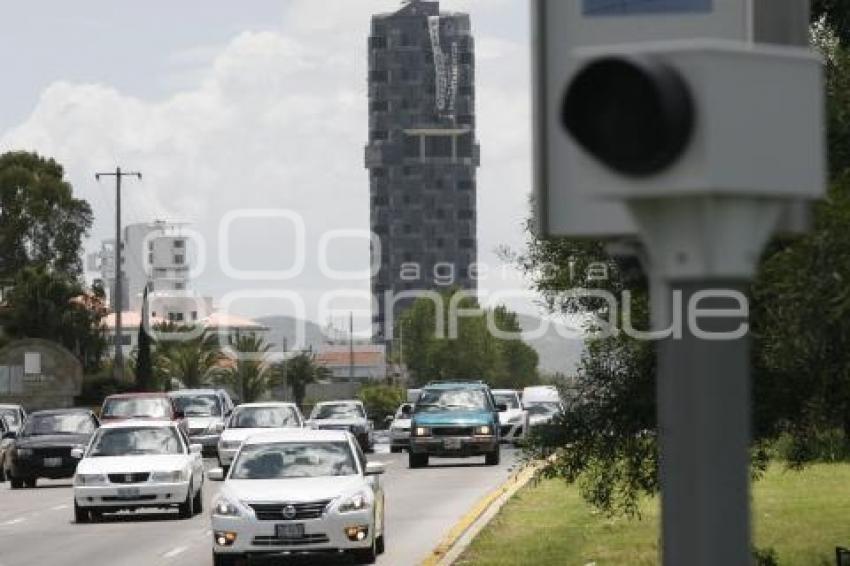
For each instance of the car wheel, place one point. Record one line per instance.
(395, 449)
(16, 483)
(380, 545)
(492, 459)
(198, 502)
(96, 516)
(187, 508)
(225, 559)
(31, 482)
(2, 475)
(417, 460)
(81, 515)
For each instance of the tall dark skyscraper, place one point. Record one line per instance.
(422, 153)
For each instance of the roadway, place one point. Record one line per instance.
(37, 527)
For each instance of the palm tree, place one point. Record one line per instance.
(189, 360)
(247, 374)
(300, 371)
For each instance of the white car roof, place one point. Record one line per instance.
(135, 423)
(505, 392)
(297, 435)
(9, 406)
(341, 402)
(267, 404)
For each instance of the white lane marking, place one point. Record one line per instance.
(174, 552)
(59, 507)
(12, 522)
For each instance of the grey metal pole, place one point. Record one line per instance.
(704, 428)
(119, 307)
(351, 346)
(118, 370)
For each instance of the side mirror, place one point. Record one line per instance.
(216, 474)
(370, 424)
(389, 419)
(77, 453)
(407, 410)
(196, 448)
(374, 468)
(179, 415)
(501, 407)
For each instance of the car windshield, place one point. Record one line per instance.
(136, 441)
(264, 417)
(509, 399)
(71, 423)
(11, 415)
(338, 411)
(198, 405)
(442, 399)
(154, 408)
(289, 460)
(542, 408)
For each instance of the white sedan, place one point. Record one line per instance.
(253, 418)
(299, 491)
(138, 464)
(514, 420)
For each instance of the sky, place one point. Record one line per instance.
(240, 115)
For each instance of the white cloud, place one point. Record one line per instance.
(276, 120)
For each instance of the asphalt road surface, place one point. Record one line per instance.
(37, 526)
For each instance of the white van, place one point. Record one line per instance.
(542, 403)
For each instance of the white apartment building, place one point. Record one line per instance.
(157, 253)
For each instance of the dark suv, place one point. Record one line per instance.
(454, 420)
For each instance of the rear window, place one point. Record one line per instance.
(129, 407)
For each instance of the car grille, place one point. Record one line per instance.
(51, 452)
(274, 511)
(274, 541)
(452, 431)
(129, 478)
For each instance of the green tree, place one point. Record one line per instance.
(53, 306)
(188, 359)
(298, 372)
(381, 401)
(41, 223)
(246, 372)
(475, 353)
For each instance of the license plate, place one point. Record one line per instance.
(128, 492)
(289, 530)
(52, 462)
(451, 443)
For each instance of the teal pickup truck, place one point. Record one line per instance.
(454, 420)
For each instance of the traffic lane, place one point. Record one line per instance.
(132, 539)
(422, 505)
(16, 504)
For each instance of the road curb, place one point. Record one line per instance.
(465, 530)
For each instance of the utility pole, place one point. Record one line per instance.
(283, 370)
(351, 346)
(118, 302)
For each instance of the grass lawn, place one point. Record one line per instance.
(801, 515)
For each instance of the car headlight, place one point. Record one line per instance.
(229, 444)
(421, 431)
(225, 508)
(24, 452)
(485, 430)
(170, 477)
(90, 479)
(357, 502)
